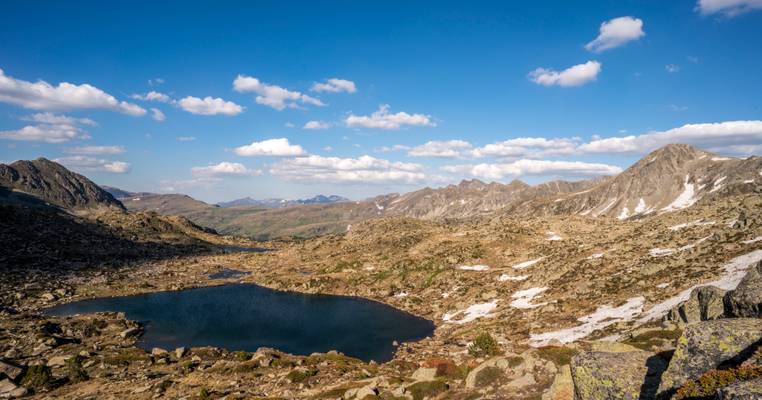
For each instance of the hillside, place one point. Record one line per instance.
(53, 183)
(282, 203)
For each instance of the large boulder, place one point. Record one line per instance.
(746, 299)
(707, 345)
(705, 303)
(627, 376)
(562, 387)
(745, 390)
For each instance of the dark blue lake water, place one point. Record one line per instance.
(247, 316)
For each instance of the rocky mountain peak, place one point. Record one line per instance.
(54, 184)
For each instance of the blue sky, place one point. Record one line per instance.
(424, 93)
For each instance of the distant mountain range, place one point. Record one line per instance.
(671, 178)
(281, 203)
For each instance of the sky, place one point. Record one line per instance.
(289, 99)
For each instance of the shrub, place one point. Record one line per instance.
(37, 377)
(707, 385)
(74, 370)
(484, 345)
(559, 355)
(298, 375)
(429, 389)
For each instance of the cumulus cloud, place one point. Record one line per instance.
(92, 164)
(316, 125)
(383, 119)
(271, 147)
(441, 149)
(45, 133)
(728, 8)
(728, 137)
(95, 150)
(272, 95)
(526, 167)
(209, 106)
(41, 95)
(157, 115)
(616, 32)
(396, 147)
(334, 85)
(152, 96)
(224, 169)
(56, 119)
(365, 169)
(576, 75)
(532, 147)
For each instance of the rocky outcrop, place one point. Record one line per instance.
(707, 345)
(630, 376)
(745, 390)
(562, 387)
(746, 299)
(705, 303)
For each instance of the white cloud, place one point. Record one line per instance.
(672, 68)
(272, 147)
(396, 147)
(729, 8)
(157, 115)
(209, 106)
(271, 95)
(316, 125)
(365, 169)
(155, 82)
(186, 138)
(334, 85)
(732, 137)
(573, 76)
(41, 95)
(56, 119)
(46, 133)
(152, 96)
(84, 163)
(441, 149)
(224, 169)
(533, 147)
(95, 150)
(616, 32)
(382, 119)
(533, 167)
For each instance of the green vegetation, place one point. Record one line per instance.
(74, 370)
(203, 394)
(488, 376)
(647, 340)
(297, 375)
(242, 356)
(559, 355)
(37, 377)
(429, 389)
(707, 385)
(484, 345)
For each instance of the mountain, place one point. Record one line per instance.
(671, 178)
(281, 203)
(53, 183)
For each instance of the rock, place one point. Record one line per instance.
(628, 376)
(58, 361)
(12, 371)
(746, 299)
(40, 348)
(522, 382)
(10, 390)
(129, 332)
(48, 296)
(180, 352)
(706, 345)
(744, 390)
(705, 303)
(485, 372)
(159, 352)
(424, 374)
(361, 392)
(612, 347)
(562, 387)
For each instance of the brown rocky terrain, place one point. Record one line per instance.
(544, 306)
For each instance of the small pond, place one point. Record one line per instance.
(247, 317)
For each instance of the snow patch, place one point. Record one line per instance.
(624, 214)
(552, 236)
(523, 298)
(642, 207)
(506, 277)
(720, 158)
(605, 208)
(474, 267)
(401, 295)
(749, 181)
(659, 252)
(717, 184)
(527, 264)
(471, 313)
(686, 199)
(698, 222)
(601, 318)
(750, 241)
(594, 256)
(136, 199)
(662, 285)
(734, 271)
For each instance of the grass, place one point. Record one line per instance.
(484, 345)
(297, 375)
(707, 385)
(429, 389)
(559, 355)
(647, 340)
(37, 377)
